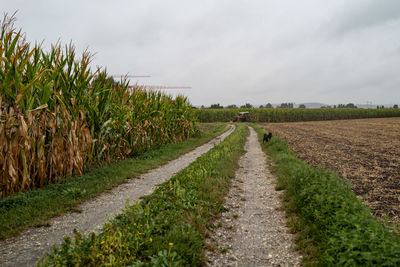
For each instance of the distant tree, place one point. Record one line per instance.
(395, 106)
(216, 106)
(351, 105)
(261, 106)
(302, 106)
(231, 106)
(247, 105)
(269, 105)
(334, 106)
(202, 107)
(327, 106)
(286, 105)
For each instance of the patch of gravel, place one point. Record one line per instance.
(27, 248)
(253, 231)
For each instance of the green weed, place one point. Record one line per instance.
(168, 227)
(333, 227)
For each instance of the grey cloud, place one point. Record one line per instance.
(364, 14)
(235, 51)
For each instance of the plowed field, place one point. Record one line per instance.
(365, 151)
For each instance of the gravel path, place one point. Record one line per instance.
(27, 248)
(253, 231)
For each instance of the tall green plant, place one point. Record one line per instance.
(57, 116)
(292, 115)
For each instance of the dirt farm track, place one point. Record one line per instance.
(365, 151)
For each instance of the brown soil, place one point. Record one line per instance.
(366, 151)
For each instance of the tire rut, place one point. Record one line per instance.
(253, 231)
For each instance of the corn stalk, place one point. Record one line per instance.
(57, 116)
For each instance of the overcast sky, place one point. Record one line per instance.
(235, 51)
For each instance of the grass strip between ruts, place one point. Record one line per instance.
(167, 228)
(35, 208)
(333, 227)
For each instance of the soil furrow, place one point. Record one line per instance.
(27, 248)
(365, 151)
(253, 231)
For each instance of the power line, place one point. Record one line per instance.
(158, 87)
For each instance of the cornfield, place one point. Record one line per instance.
(57, 117)
(294, 114)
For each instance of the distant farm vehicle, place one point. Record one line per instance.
(243, 117)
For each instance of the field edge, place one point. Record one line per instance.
(35, 208)
(332, 226)
(167, 228)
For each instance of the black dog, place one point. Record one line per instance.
(267, 137)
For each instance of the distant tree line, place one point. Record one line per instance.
(248, 105)
(394, 106)
(285, 105)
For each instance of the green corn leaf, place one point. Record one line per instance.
(12, 46)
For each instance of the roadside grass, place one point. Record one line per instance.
(35, 208)
(332, 226)
(168, 227)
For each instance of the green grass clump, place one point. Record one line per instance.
(35, 208)
(169, 226)
(333, 227)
